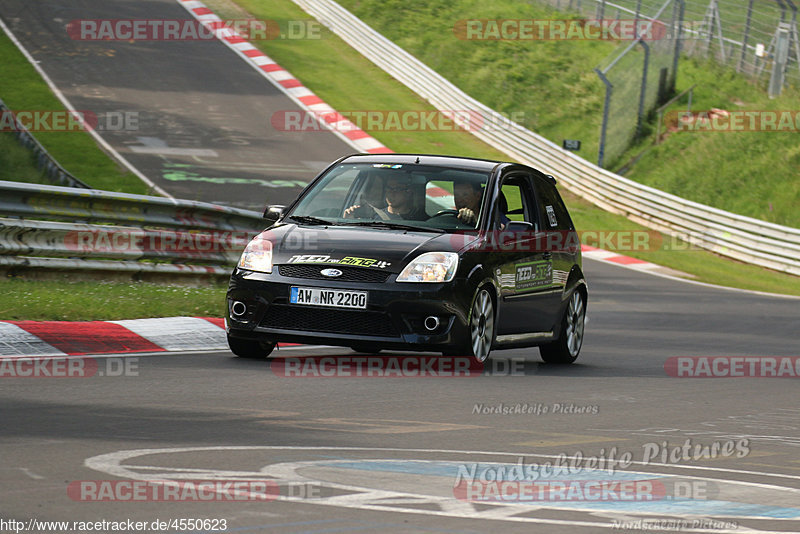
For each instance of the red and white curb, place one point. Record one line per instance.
(618, 259)
(60, 338)
(283, 80)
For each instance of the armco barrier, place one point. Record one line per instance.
(54, 202)
(735, 236)
(141, 234)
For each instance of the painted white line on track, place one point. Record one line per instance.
(695, 282)
(67, 104)
(380, 500)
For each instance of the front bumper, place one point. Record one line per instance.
(394, 318)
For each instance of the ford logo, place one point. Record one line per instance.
(332, 273)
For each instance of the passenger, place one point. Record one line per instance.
(467, 196)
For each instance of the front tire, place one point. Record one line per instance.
(252, 349)
(566, 348)
(481, 326)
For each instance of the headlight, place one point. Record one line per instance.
(257, 256)
(431, 267)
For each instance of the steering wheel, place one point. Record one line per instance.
(452, 212)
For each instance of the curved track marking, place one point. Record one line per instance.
(391, 501)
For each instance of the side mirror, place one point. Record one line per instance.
(519, 226)
(274, 213)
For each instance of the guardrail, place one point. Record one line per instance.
(80, 229)
(728, 234)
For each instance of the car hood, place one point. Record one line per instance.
(376, 248)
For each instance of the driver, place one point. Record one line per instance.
(467, 196)
(400, 203)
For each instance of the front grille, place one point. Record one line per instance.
(362, 323)
(349, 274)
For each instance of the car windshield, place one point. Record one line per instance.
(391, 195)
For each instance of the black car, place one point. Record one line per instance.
(414, 252)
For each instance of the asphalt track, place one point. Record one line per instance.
(201, 125)
(381, 454)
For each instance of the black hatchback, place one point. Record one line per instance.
(414, 252)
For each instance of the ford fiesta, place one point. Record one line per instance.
(414, 252)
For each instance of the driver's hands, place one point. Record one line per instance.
(467, 216)
(350, 212)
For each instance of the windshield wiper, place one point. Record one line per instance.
(309, 219)
(397, 226)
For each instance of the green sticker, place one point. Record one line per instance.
(533, 275)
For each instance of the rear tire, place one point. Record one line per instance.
(252, 349)
(566, 348)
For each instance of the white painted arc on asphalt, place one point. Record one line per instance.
(287, 470)
(718, 507)
(123, 455)
(378, 500)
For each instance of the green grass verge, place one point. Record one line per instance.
(18, 163)
(21, 88)
(552, 83)
(69, 300)
(750, 173)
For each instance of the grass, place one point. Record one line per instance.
(69, 300)
(552, 84)
(21, 88)
(18, 163)
(750, 173)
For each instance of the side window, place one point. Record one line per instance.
(554, 214)
(439, 196)
(516, 201)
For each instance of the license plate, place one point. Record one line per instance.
(337, 298)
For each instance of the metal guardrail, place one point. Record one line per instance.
(44, 160)
(728, 234)
(105, 231)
